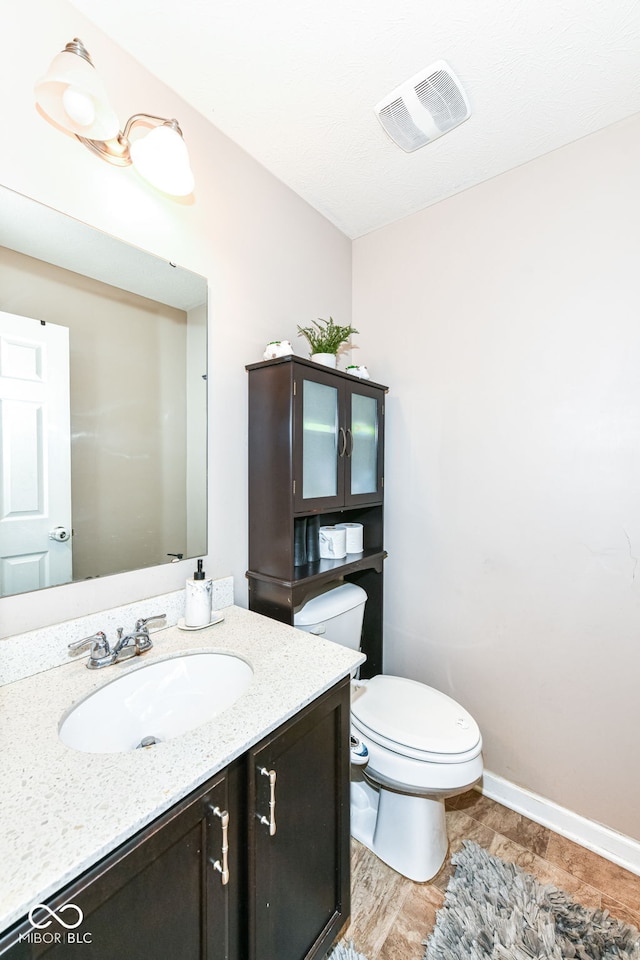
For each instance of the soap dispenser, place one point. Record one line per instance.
(197, 603)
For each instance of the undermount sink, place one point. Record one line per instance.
(156, 702)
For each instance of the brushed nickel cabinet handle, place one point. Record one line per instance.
(222, 867)
(271, 821)
(342, 441)
(349, 442)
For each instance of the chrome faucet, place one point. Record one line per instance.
(137, 642)
(131, 645)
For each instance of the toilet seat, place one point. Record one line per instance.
(414, 720)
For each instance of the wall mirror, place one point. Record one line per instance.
(103, 403)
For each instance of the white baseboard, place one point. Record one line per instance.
(625, 851)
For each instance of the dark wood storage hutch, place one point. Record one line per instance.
(316, 452)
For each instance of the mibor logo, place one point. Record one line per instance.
(76, 914)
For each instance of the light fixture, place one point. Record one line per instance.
(72, 95)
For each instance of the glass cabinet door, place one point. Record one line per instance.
(320, 438)
(364, 446)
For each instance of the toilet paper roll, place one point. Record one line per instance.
(355, 536)
(333, 543)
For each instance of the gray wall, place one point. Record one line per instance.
(506, 321)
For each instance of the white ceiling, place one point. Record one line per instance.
(294, 82)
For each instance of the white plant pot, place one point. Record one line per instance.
(326, 359)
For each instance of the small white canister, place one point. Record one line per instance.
(333, 543)
(358, 370)
(277, 348)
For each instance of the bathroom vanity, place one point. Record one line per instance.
(230, 842)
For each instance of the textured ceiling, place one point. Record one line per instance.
(295, 82)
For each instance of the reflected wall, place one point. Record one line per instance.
(136, 364)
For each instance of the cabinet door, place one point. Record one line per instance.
(338, 442)
(319, 441)
(299, 833)
(364, 418)
(158, 895)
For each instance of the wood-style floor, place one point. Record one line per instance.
(392, 916)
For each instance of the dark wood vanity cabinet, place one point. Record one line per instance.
(157, 896)
(316, 452)
(162, 895)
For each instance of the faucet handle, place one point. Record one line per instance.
(97, 641)
(100, 652)
(141, 624)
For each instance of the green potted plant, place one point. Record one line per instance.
(325, 339)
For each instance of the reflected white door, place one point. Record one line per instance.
(35, 455)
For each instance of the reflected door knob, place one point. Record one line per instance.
(60, 533)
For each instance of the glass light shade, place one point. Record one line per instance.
(79, 107)
(161, 157)
(73, 96)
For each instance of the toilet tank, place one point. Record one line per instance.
(336, 615)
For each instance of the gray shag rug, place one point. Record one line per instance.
(345, 951)
(495, 911)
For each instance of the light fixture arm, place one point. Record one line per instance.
(141, 117)
(117, 150)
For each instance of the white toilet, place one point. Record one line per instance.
(412, 747)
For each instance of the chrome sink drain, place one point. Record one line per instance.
(148, 742)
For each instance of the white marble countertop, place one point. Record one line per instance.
(62, 810)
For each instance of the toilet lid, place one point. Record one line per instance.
(414, 715)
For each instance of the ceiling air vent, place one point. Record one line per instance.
(424, 108)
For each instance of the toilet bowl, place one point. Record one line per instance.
(423, 747)
(412, 746)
